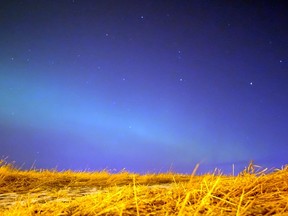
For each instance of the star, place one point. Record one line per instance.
(251, 83)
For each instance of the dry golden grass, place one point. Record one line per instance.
(48, 192)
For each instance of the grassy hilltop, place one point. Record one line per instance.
(254, 191)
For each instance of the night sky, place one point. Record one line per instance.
(149, 86)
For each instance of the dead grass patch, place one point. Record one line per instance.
(254, 191)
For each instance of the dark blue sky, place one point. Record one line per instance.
(144, 85)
